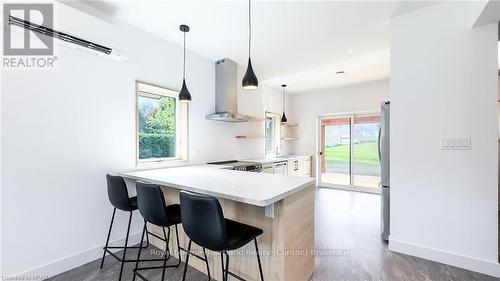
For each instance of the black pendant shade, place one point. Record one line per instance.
(283, 117)
(184, 95)
(250, 81)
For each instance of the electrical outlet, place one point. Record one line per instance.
(269, 211)
(456, 143)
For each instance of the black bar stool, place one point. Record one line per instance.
(154, 211)
(118, 196)
(204, 223)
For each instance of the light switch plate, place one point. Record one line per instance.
(456, 143)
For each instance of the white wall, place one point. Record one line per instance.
(1, 208)
(64, 129)
(305, 108)
(444, 84)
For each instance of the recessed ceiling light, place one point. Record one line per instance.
(349, 52)
(341, 72)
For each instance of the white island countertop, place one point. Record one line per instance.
(257, 189)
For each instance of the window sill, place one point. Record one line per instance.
(162, 164)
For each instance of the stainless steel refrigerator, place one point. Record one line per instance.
(384, 156)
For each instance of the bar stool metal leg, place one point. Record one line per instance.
(178, 246)
(164, 259)
(125, 248)
(107, 240)
(258, 260)
(139, 252)
(187, 261)
(206, 262)
(107, 247)
(227, 266)
(147, 237)
(166, 254)
(188, 253)
(222, 266)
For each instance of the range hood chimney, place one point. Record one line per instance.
(226, 94)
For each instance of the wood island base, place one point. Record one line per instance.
(285, 247)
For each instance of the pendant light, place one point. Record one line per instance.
(249, 81)
(283, 117)
(184, 95)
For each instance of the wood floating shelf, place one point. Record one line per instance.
(289, 139)
(288, 124)
(250, 137)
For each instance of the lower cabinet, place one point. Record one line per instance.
(268, 168)
(305, 167)
(293, 167)
(299, 167)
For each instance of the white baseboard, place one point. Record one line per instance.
(64, 264)
(470, 263)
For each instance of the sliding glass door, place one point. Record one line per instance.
(349, 151)
(365, 158)
(336, 152)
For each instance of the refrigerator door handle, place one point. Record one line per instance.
(379, 144)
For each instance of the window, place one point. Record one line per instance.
(161, 133)
(273, 133)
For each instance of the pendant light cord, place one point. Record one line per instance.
(184, 67)
(283, 99)
(249, 28)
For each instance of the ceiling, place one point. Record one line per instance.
(300, 43)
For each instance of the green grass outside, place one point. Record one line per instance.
(364, 153)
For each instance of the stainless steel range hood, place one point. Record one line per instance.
(226, 94)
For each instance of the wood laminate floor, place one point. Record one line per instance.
(348, 243)
(350, 222)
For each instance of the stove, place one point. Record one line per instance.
(240, 165)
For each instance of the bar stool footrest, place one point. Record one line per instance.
(106, 250)
(121, 260)
(136, 270)
(236, 276)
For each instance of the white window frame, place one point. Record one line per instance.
(150, 90)
(277, 133)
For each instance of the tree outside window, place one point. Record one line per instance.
(161, 124)
(157, 127)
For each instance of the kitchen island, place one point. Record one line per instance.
(282, 206)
